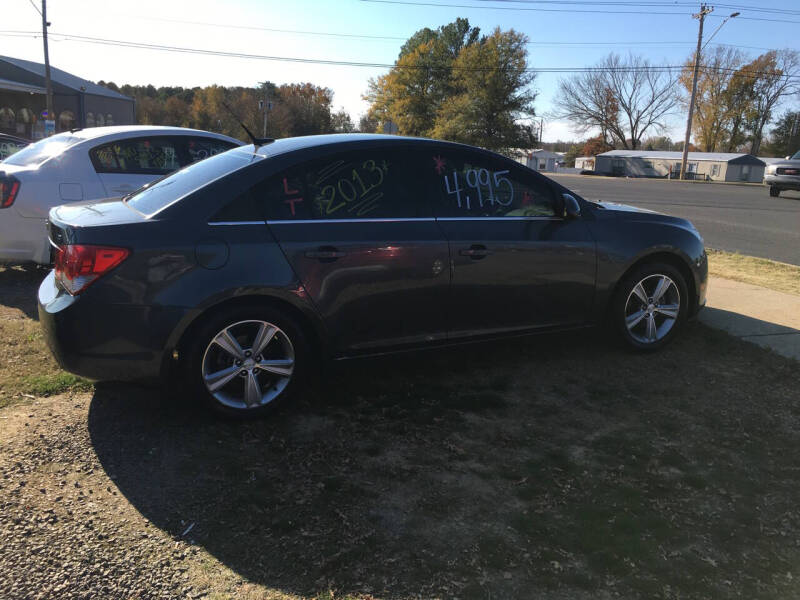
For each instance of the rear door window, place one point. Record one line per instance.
(200, 148)
(471, 185)
(368, 184)
(141, 156)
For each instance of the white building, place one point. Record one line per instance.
(544, 160)
(708, 166)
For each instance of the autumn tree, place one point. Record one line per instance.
(714, 105)
(298, 109)
(624, 98)
(596, 145)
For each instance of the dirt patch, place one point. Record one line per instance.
(554, 467)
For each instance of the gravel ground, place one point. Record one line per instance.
(65, 529)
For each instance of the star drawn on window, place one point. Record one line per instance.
(439, 164)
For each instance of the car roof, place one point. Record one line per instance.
(292, 144)
(123, 131)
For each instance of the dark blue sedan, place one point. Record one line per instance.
(241, 272)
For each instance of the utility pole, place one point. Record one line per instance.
(49, 124)
(704, 10)
(265, 105)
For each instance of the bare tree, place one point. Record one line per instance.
(775, 75)
(624, 98)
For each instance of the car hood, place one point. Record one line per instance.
(624, 208)
(110, 211)
(792, 164)
(632, 213)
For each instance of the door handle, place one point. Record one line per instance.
(475, 252)
(325, 254)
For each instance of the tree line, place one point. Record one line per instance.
(297, 108)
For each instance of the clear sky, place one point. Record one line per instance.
(564, 37)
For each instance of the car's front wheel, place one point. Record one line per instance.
(774, 192)
(650, 305)
(247, 361)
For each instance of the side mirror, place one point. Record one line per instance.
(570, 209)
(788, 158)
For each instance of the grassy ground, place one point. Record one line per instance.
(26, 366)
(757, 271)
(557, 467)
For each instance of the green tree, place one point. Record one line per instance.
(452, 83)
(492, 95)
(572, 153)
(341, 122)
(785, 136)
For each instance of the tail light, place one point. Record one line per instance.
(9, 188)
(77, 265)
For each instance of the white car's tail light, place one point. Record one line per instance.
(78, 265)
(9, 188)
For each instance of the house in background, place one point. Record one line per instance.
(707, 166)
(76, 102)
(544, 160)
(585, 163)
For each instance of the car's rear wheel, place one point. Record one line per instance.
(247, 361)
(650, 306)
(774, 192)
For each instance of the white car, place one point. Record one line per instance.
(87, 164)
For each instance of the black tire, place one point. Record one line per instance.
(774, 192)
(620, 307)
(238, 318)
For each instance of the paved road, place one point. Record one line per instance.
(736, 218)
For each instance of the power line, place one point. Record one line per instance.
(642, 4)
(330, 62)
(556, 10)
(565, 10)
(36, 8)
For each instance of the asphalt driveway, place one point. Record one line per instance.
(736, 218)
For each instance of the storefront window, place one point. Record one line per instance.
(109, 119)
(7, 118)
(100, 120)
(66, 120)
(90, 120)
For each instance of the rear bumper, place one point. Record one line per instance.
(105, 342)
(23, 240)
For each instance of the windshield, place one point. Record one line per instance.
(158, 195)
(37, 153)
(796, 155)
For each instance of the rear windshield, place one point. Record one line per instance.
(163, 192)
(37, 153)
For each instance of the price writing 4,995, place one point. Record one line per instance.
(490, 187)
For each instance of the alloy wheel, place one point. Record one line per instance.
(248, 364)
(652, 308)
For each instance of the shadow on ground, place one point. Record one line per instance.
(18, 287)
(555, 465)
